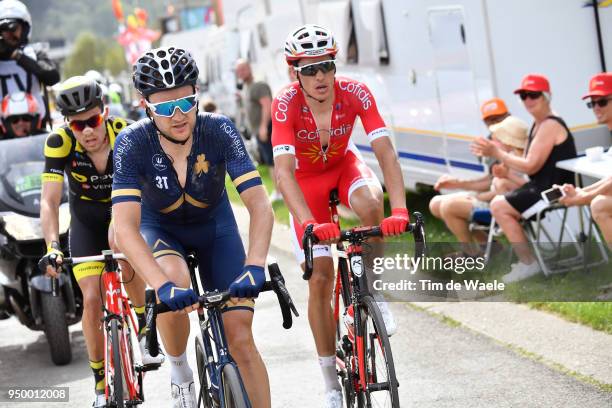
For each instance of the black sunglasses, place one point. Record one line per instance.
(602, 103)
(312, 69)
(19, 118)
(531, 95)
(9, 26)
(92, 122)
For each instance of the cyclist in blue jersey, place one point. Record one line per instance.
(169, 198)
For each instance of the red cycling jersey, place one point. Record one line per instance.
(294, 130)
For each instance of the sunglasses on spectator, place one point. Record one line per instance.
(9, 26)
(602, 103)
(167, 108)
(19, 118)
(531, 95)
(312, 69)
(92, 122)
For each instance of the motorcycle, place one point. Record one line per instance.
(38, 301)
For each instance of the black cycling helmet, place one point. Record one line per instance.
(78, 94)
(164, 68)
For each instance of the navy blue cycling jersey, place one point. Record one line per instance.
(143, 172)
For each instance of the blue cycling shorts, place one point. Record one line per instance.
(215, 241)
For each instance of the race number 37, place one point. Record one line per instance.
(161, 182)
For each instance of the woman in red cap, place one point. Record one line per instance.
(550, 141)
(598, 195)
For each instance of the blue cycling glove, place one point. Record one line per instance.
(176, 298)
(249, 283)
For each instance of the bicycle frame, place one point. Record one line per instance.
(116, 307)
(213, 338)
(351, 285)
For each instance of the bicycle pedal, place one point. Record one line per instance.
(147, 367)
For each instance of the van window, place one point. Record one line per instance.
(352, 51)
(383, 52)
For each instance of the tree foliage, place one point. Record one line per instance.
(91, 52)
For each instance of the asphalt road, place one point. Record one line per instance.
(438, 365)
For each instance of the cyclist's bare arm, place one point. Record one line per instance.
(284, 172)
(260, 226)
(126, 221)
(51, 198)
(392, 172)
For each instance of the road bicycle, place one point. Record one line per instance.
(124, 378)
(364, 359)
(220, 383)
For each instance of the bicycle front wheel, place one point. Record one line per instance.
(117, 371)
(205, 392)
(381, 381)
(233, 393)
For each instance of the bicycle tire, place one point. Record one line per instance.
(117, 393)
(55, 324)
(233, 393)
(377, 350)
(202, 377)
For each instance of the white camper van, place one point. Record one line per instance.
(430, 64)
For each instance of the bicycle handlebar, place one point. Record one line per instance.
(358, 235)
(276, 284)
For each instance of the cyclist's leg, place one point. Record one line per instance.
(221, 259)
(173, 327)
(316, 191)
(85, 240)
(360, 189)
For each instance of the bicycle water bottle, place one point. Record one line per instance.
(349, 321)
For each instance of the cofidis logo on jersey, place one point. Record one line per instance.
(283, 104)
(158, 162)
(356, 89)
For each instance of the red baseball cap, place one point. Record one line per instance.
(534, 83)
(600, 85)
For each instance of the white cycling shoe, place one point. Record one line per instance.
(333, 399)
(147, 358)
(388, 318)
(99, 401)
(183, 395)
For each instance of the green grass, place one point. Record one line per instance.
(597, 315)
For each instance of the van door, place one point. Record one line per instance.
(456, 92)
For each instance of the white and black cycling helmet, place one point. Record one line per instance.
(78, 94)
(164, 68)
(309, 41)
(14, 10)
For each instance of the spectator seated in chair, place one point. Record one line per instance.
(550, 141)
(459, 209)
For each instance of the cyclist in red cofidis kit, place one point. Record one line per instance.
(312, 122)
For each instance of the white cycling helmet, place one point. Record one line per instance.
(16, 10)
(309, 41)
(19, 103)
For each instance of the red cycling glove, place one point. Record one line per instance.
(324, 232)
(396, 223)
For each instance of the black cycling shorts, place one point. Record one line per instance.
(88, 234)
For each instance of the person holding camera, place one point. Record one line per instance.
(22, 67)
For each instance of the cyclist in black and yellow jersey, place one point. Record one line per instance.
(83, 150)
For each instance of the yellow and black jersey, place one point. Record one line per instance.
(64, 154)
